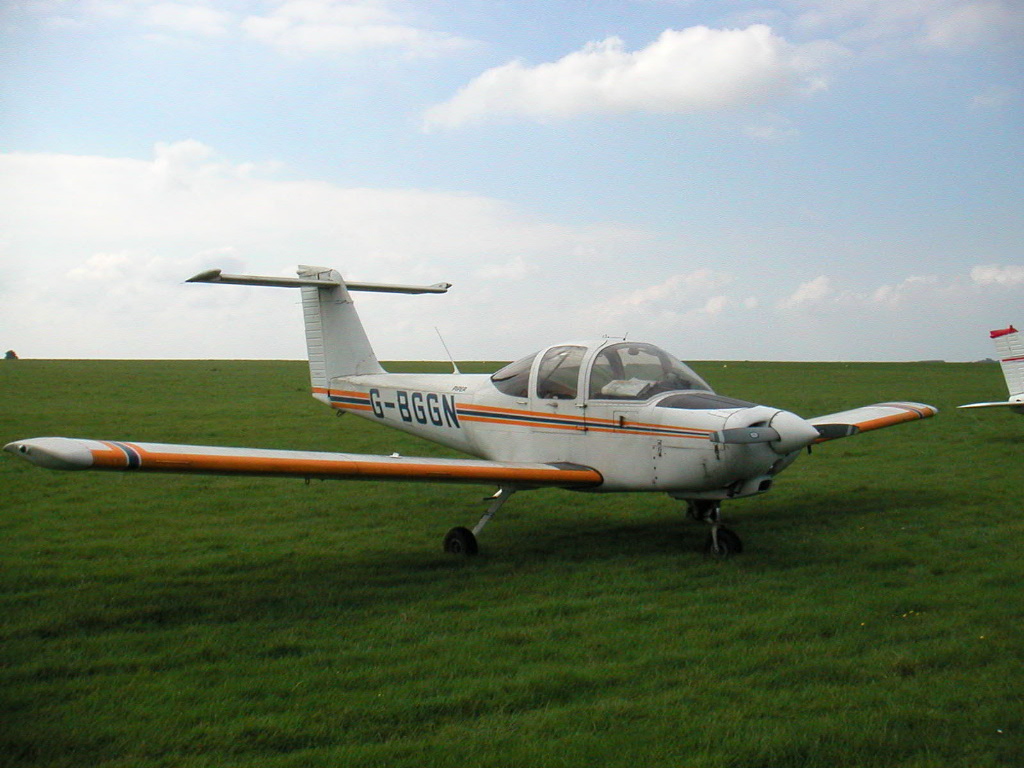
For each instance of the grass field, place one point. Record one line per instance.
(875, 619)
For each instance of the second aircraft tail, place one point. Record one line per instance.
(1010, 348)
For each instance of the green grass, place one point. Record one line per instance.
(875, 618)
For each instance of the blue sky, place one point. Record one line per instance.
(805, 179)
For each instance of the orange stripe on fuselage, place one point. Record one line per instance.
(344, 393)
(539, 419)
(516, 423)
(580, 423)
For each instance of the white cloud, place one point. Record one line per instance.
(812, 292)
(94, 252)
(187, 19)
(309, 27)
(944, 24)
(716, 305)
(968, 24)
(690, 70)
(1009, 276)
(772, 128)
(995, 97)
(918, 317)
(677, 287)
(294, 27)
(905, 291)
(513, 269)
(684, 300)
(192, 18)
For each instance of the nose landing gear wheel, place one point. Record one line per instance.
(722, 543)
(460, 541)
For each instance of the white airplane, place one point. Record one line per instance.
(1010, 349)
(599, 416)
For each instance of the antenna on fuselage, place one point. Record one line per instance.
(455, 366)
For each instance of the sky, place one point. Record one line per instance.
(731, 180)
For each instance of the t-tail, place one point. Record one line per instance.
(1010, 350)
(336, 343)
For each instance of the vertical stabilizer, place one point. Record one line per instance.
(335, 340)
(1010, 349)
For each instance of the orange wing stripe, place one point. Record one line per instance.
(154, 461)
(109, 458)
(910, 414)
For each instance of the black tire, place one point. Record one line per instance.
(728, 544)
(460, 541)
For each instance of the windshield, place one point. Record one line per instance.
(630, 371)
(514, 378)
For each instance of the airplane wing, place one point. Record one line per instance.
(868, 417)
(76, 454)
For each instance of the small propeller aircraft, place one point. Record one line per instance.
(1010, 348)
(598, 416)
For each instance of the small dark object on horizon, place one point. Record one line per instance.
(11, 355)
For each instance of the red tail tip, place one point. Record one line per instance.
(1004, 332)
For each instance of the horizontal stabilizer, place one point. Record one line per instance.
(77, 454)
(216, 276)
(1001, 404)
(868, 417)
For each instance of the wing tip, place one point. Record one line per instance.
(208, 276)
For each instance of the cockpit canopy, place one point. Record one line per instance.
(620, 371)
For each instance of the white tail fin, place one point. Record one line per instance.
(1010, 348)
(336, 343)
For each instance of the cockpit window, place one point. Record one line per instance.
(631, 371)
(514, 378)
(559, 372)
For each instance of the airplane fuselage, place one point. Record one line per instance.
(658, 444)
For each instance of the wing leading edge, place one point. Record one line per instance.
(833, 426)
(77, 454)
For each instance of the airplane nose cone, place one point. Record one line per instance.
(794, 433)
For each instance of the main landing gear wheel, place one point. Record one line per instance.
(722, 543)
(460, 541)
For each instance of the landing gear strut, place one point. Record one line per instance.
(721, 541)
(462, 541)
